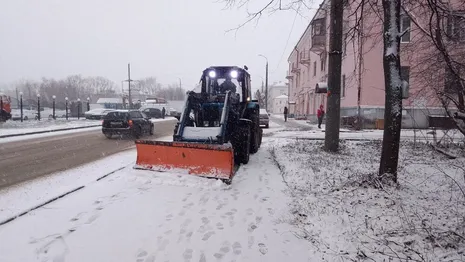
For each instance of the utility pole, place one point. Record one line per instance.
(129, 80)
(129, 86)
(266, 86)
(266, 82)
(334, 78)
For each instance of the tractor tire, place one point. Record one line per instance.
(245, 146)
(260, 134)
(241, 143)
(255, 133)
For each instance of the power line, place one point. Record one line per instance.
(287, 41)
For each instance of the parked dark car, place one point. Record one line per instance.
(264, 118)
(152, 112)
(127, 122)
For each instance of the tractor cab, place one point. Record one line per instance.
(218, 80)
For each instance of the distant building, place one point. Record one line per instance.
(279, 103)
(275, 90)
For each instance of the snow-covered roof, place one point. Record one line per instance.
(104, 100)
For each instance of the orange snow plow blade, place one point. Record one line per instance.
(207, 160)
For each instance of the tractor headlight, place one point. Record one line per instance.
(233, 74)
(212, 74)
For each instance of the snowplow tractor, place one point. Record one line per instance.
(218, 129)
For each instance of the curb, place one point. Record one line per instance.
(48, 131)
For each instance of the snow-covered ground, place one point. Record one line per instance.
(347, 214)
(292, 202)
(135, 215)
(371, 134)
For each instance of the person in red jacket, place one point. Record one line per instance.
(320, 114)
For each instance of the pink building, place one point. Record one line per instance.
(362, 83)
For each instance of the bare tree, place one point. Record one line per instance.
(393, 89)
(149, 85)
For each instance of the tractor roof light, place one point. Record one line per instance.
(212, 74)
(234, 74)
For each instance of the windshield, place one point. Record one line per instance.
(116, 115)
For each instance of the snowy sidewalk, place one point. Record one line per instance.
(135, 215)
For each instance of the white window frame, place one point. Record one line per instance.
(402, 29)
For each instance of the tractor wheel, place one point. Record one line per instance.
(255, 133)
(245, 145)
(241, 143)
(260, 136)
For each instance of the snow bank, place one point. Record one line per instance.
(347, 214)
(18, 127)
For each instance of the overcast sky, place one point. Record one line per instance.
(168, 39)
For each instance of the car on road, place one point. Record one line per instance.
(97, 113)
(126, 122)
(264, 118)
(152, 112)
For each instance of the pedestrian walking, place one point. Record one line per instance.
(320, 115)
(163, 113)
(285, 114)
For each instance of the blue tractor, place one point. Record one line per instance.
(218, 129)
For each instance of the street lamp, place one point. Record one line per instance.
(38, 107)
(66, 107)
(266, 82)
(54, 97)
(21, 104)
(79, 107)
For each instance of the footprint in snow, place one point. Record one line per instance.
(205, 220)
(202, 258)
(187, 254)
(208, 235)
(262, 248)
(143, 256)
(219, 226)
(237, 248)
(251, 241)
(252, 227)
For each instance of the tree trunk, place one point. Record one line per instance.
(334, 77)
(393, 89)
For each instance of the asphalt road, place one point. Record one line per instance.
(25, 160)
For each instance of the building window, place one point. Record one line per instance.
(405, 25)
(452, 81)
(314, 68)
(343, 85)
(456, 27)
(405, 73)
